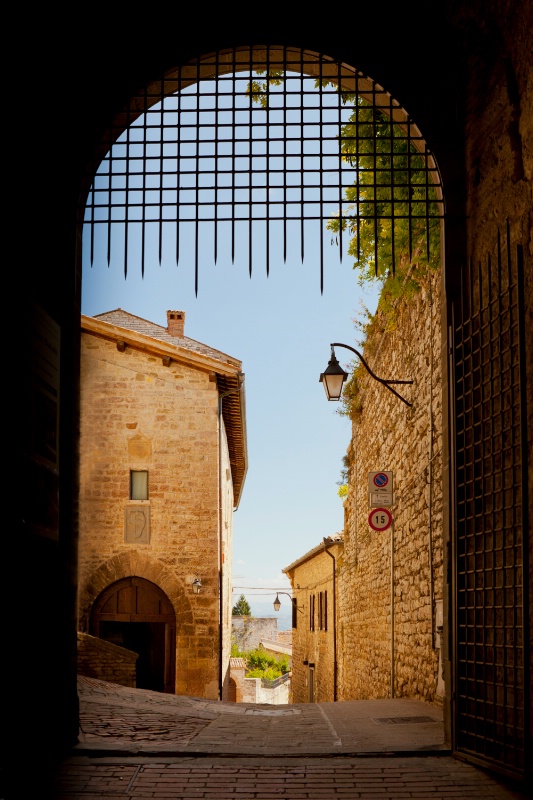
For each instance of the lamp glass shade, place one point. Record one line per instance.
(277, 604)
(333, 378)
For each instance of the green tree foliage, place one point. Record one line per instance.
(390, 217)
(392, 214)
(241, 607)
(258, 90)
(260, 664)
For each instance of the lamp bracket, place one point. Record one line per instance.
(385, 382)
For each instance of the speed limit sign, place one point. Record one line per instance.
(380, 519)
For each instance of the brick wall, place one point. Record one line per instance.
(387, 435)
(313, 644)
(137, 413)
(106, 661)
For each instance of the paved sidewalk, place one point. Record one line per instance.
(274, 778)
(139, 745)
(115, 719)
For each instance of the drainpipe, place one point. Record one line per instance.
(220, 534)
(334, 624)
(430, 476)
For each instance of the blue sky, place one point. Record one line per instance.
(280, 327)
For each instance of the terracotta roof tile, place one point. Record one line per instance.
(123, 319)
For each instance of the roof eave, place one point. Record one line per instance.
(175, 352)
(320, 548)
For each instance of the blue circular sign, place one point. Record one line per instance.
(381, 479)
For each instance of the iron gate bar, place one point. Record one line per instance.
(490, 514)
(164, 159)
(525, 626)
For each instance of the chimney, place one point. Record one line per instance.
(176, 323)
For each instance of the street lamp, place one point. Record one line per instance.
(334, 376)
(196, 585)
(277, 601)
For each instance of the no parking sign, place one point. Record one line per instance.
(380, 491)
(380, 519)
(380, 481)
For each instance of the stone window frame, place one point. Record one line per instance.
(133, 491)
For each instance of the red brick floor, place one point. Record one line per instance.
(241, 778)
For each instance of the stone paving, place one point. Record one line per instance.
(140, 745)
(116, 718)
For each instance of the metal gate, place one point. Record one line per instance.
(490, 697)
(241, 151)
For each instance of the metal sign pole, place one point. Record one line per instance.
(392, 609)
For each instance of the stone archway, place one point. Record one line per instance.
(465, 627)
(109, 597)
(136, 614)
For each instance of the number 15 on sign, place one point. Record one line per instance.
(380, 519)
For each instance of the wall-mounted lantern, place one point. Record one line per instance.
(334, 376)
(277, 601)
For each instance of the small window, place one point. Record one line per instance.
(312, 612)
(323, 611)
(138, 484)
(294, 613)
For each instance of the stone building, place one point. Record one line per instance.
(391, 580)
(313, 580)
(162, 467)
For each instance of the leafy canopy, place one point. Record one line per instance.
(259, 664)
(390, 213)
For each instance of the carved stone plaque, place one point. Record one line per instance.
(139, 448)
(137, 524)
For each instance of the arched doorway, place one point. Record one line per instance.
(136, 614)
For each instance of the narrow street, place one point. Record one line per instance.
(142, 744)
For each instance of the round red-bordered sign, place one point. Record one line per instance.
(380, 519)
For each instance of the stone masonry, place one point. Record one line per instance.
(106, 661)
(143, 408)
(389, 638)
(314, 657)
(247, 632)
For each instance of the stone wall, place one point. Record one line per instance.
(106, 661)
(388, 641)
(247, 632)
(137, 413)
(255, 692)
(313, 639)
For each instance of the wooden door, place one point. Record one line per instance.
(136, 614)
